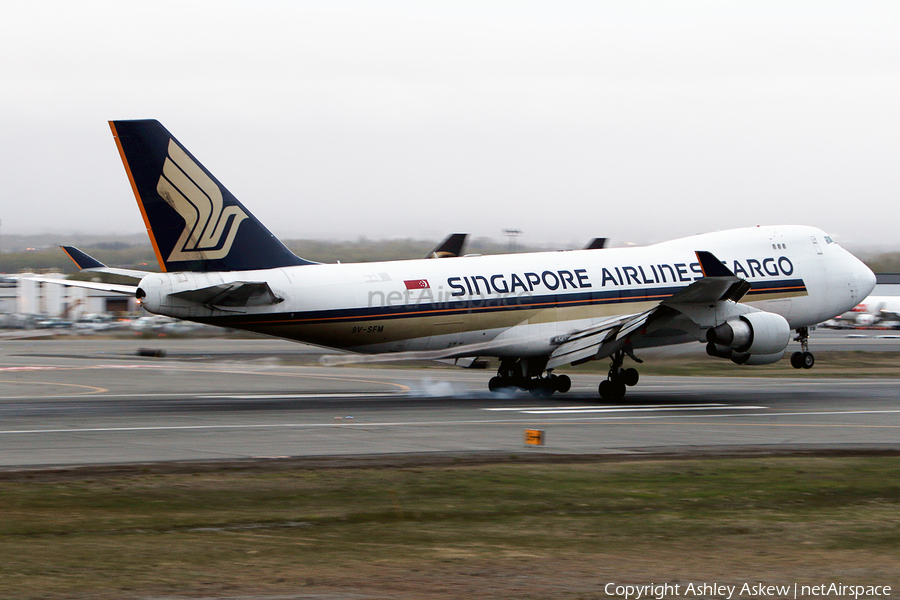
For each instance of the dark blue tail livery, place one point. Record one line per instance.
(195, 224)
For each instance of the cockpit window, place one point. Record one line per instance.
(828, 239)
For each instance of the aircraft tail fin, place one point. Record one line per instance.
(194, 222)
(451, 246)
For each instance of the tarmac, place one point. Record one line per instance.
(99, 401)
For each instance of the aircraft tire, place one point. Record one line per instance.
(605, 388)
(808, 360)
(629, 377)
(797, 360)
(562, 383)
(618, 390)
(496, 384)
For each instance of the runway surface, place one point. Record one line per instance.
(96, 402)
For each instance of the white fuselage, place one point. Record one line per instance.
(525, 299)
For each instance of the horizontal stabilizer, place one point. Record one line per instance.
(86, 262)
(82, 260)
(235, 294)
(90, 285)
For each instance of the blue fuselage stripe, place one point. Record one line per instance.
(489, 304)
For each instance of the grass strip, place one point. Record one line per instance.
(491, 530)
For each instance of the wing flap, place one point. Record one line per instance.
(602, 339)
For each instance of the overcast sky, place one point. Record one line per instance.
(639, 121)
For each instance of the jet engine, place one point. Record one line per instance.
(756, 338)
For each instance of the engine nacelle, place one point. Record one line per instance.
(756, 359)
(866, 319)
(742, 358)
(753, 333)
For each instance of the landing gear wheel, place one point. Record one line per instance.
(604, 389)
(612, 390)
(562, 383)
(803, 359)
(617, 390)
(496, 384)
(629, 377)
(807, 360)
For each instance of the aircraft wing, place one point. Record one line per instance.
(889, 315)
(601, 340)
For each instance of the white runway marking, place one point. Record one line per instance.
(302, 396)
(641, 409)
(574, 410)
(582, 407)
(360, 423)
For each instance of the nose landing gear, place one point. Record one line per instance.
(803, 359)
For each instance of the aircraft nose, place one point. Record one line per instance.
(865, 278)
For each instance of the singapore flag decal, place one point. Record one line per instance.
(416, 284)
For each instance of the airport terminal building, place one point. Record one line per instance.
(24, 296)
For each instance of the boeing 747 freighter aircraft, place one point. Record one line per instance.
(740, 292)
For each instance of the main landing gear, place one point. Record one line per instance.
(803, 359)
(528, 374)
(614, 386)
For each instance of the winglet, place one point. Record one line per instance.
(82, 260)
(712, 266)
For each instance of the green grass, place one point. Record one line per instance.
(281, 528)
